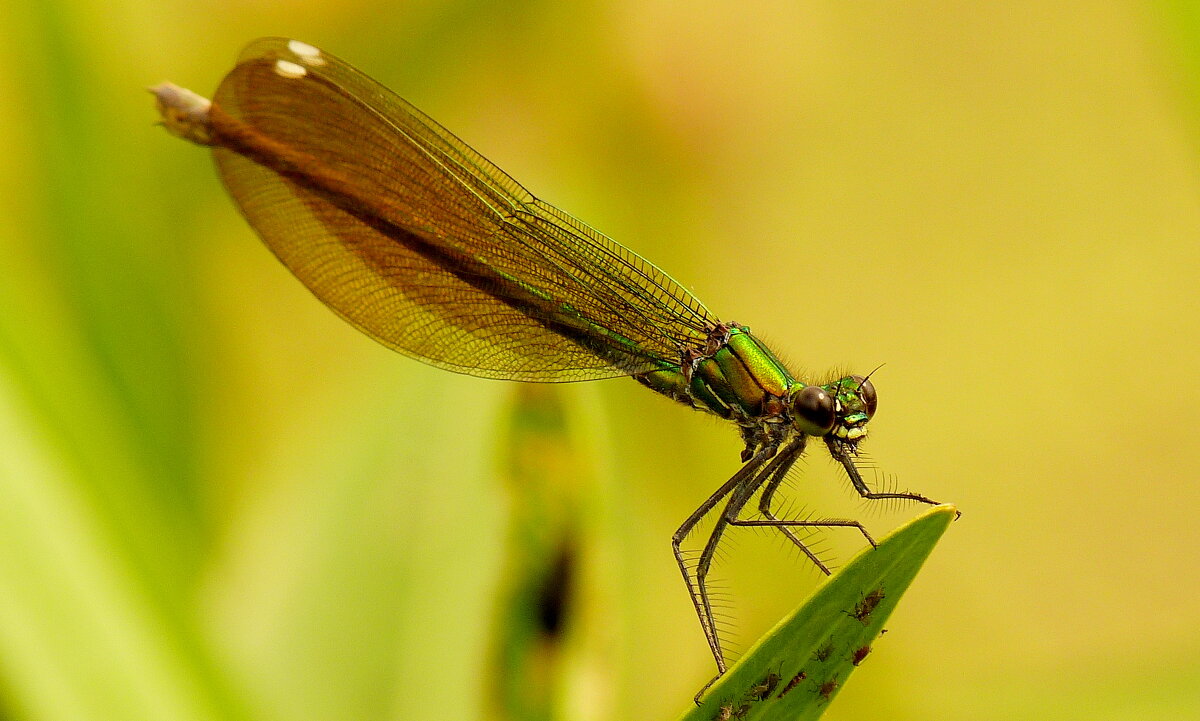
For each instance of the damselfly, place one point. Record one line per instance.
(418, 241)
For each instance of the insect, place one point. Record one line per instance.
(823, 653)
(826, 690)
(419, 242)
(762, 690)
(859, 654)
(728, 712)
(792, 684)
(862, 609)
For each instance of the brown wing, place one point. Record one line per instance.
(421, 243)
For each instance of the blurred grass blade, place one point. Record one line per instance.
(543, 471)
(80, 637)
(796, 669)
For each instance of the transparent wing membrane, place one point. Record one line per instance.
(420, 242)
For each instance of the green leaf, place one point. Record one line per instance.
(795, 670)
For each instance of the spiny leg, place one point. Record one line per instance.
(841, 453)
(695, 588)
(794, 450)
(740, 489)
(789, 454)
(737, 499)
(707, 618)
(785, 525)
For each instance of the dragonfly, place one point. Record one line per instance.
(422, 244)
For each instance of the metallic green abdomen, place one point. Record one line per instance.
(737, 376)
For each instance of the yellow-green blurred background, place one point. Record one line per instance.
(217, 501)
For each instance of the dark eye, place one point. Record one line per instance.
(866, 392)
(812, 410)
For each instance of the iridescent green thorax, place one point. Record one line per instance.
(734, 376)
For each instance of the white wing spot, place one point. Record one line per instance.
(288, 69)
(306, 53)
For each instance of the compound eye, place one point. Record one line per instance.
(812, 410)
(866, 392)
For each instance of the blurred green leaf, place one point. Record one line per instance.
(543, 471)
(796, 669)
(102, 531)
